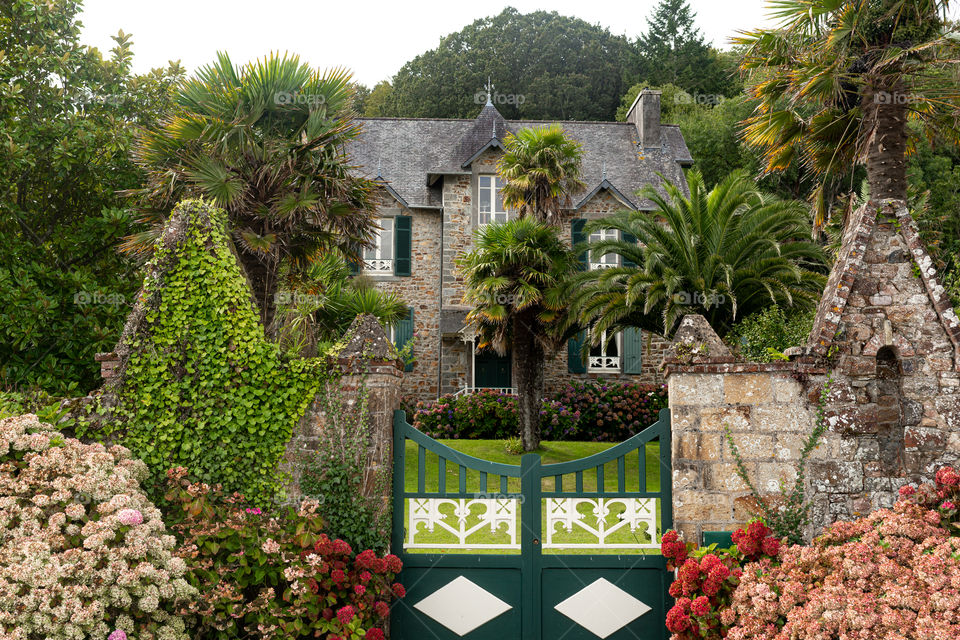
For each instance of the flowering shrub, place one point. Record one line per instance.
(942, 497)
(484, 414)
(612, 412)
(581, 411)
(262, 575)
(893, 574)
(706, 579)
(83, 553)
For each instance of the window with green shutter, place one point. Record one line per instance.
(403, 333)
(403, 245)
(576, 228)
(632, 350)
(575, 360)
(631, 239)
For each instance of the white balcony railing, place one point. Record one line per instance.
(602, 265)
(378, 266)
(466, 391)
(603, 363)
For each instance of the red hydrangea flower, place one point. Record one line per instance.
(700, 606)
(375, 634)
(346, 614)
(398, 590)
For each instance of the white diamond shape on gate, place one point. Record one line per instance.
(462, 606)
(602, 608)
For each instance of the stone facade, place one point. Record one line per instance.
(885, 337)
(444, 231)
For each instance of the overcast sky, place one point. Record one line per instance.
(373, 38)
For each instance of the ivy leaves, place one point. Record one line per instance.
(203, 388)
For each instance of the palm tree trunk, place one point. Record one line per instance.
(527, 364)
(263, 281)
(885, 111)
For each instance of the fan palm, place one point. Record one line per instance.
(540, 167)
(265, 142)
(323, 302)
(722, 253)
(838, 81)
(512, 277)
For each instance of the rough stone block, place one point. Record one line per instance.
(777, 418)
(786, 389)
(707, 447)
(723, 477)
(837, 477)
(736, 418)
(748, 388)
(770, 475)
(696, 389)
(687, 476)
(701, 506)
(753, 446)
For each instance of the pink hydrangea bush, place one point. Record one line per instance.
(83, 552)
(893, 575)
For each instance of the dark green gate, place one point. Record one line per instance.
(536, 551)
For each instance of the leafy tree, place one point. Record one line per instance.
(673, 51)
(540, 167)
(543, 65)
(380, 102)
(722, 253)
(324, 301)
(266, 142)
(764, 335)
(512, 277)
(66, 120)
(838, 82)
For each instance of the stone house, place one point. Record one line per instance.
(438, 185)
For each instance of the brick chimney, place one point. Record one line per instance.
(645, 116)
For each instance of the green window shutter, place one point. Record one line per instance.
(403, 245)
(575, 362)
(576, 228)
(632, 350)
(403, 333)
(631, 239)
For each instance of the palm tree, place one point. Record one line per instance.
(324, 300)
(541, 166)
(265, 142)
(838, 83)
(513, 276)
(723, 253)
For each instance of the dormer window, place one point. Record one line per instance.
(607, 260)
(490, 200)
(378, 260)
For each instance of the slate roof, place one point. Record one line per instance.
(409, 154)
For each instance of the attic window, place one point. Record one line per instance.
(490, 200)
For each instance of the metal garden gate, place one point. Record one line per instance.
(563, 551)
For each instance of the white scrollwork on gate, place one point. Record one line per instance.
(462, 518)
(566, 513)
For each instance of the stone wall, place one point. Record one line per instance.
(368, 369)
(886, 339)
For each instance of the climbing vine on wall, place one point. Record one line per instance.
(202, 387)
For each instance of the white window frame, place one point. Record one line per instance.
(608, 260)
(378, 260)
(604, 363)
(493, 186)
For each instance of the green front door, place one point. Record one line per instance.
(492, 370)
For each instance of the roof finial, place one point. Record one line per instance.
(379, 168)
(489, 93)
(604, 169)
(494, 134)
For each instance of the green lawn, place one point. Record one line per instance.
(550, 452)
